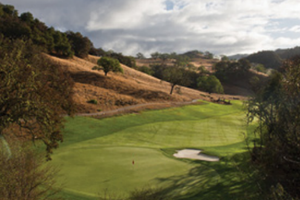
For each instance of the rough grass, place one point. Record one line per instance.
(97, 154)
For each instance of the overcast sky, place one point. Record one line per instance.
(132, 26)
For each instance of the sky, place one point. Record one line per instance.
(223, 27)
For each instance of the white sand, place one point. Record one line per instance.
(195, 154)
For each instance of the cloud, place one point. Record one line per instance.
(295, 29)
(130, 26)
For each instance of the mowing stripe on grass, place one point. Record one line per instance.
(97, 153)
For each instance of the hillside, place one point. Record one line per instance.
(241, 85)
(269, 59)
(196, 61)
(120, 90)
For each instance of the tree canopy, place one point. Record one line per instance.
(80, 45)
(27, 27)
(225, 69)
(210, 84)
(34, 93)
(276, 107)
(175, 75)
(108, 64)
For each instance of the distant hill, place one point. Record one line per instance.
(288, 53)
(269, 59)
(237, 56)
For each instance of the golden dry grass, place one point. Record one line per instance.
(197, 62)
(119, 90)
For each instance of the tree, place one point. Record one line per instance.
(276, 107)
(146, 70)
(28, 28)
(80, 45)
(24, 175)
(208, 55)
(164, 57)
(260, 68)
(182, 60)
(140, 56)
(108, 64)
(210, 84)
(155, 55)
(62, 46)
(126, 60)
(27, 17)
(229, 69)
(224, 58)
(34, 93)
(244, 65)
(97, 52)
(176, 75)
(221, 70)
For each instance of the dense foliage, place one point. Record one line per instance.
(34, 93)
(51, 41)
(210, 84)
(126, 60)
(80, 45)
(229, 69)
(27, 27)
(268, 58)
(276, 107)
(176, 75)
(179, 71)
(288, 53)
(24, 176)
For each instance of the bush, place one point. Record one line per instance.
(210, 84)
(93, 101)
(146, 70)
(23, 174)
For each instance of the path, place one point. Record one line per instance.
(127, 108)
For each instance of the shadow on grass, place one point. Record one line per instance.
(231, 178)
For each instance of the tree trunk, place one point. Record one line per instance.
(172, 87)
(6, 146)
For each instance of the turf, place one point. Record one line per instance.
(97, 154)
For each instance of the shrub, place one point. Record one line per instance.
(23, 175)
(146, 70)
(93, 101)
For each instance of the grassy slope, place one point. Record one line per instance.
(97, 154)
(119, 90)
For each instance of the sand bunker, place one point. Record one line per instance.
(194, 154)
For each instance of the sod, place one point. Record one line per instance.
(97, 154)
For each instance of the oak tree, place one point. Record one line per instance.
(33, 93)
(108, 64)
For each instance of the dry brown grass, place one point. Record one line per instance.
(197, 62)
(118, 90)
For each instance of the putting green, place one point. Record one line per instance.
(95, 170)
(97, 155)
(190, 133)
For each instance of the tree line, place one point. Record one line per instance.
(26, 27)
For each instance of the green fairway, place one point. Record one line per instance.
(97, 154)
